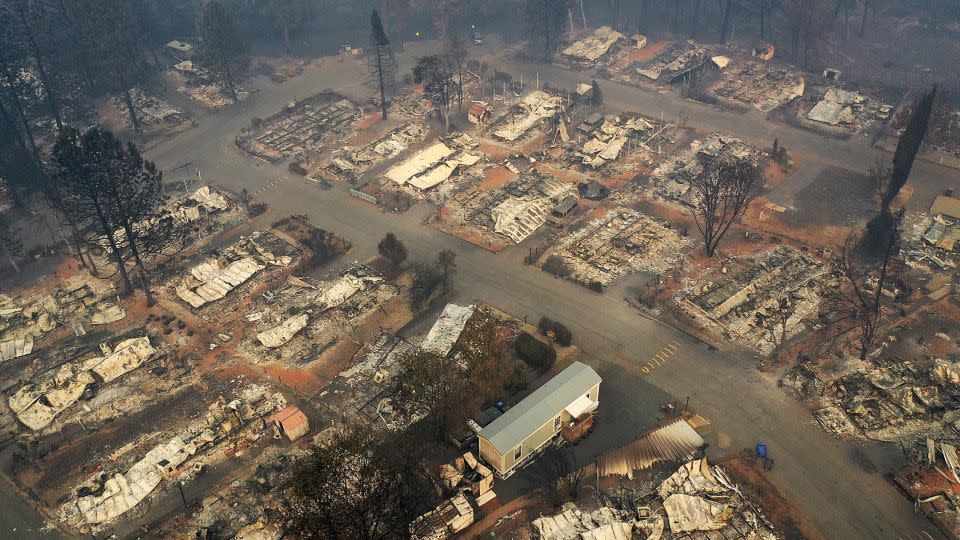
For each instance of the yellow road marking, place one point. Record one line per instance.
(661, 357)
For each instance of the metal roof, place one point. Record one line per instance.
(538, 408)
(946, 205)
(675, 441)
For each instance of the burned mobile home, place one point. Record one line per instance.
(595, 47)
(741, 297)
(607, 140)
(301, 128)
(619, 242)
(516, 210)
(537, 108)
(298, 320)
(671, 179)
(124, 485)
(38, 402)
(349, 163)
(217, 276)
(435, 164)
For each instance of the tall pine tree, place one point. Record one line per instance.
(382, 67)
(879, 227)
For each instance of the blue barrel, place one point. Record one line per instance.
(762, 450)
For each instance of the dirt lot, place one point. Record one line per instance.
(782, 513)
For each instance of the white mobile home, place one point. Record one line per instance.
(522, 431)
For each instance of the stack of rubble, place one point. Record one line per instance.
(110, 496)
(521, 207)
(672, 178)
(216, 277)
(39, 401)
(595, 46)
(743, 297)
(302, 127)
(535, 108)
(452, 516)
(473, 483)
(618, 243)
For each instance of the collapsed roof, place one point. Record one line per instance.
(594, 46)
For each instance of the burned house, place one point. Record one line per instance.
(842, 109)
(594, 47)
(617, 243)
(757, 85)
(302, 127)
(520, 207)
(536, 108)
(756, 300)
(671, 179)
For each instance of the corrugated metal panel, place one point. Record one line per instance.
(676, 441)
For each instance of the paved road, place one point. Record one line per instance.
(833, 489)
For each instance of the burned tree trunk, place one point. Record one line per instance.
(114, 249)
(51, 97)
(725, 27)
(723, 192)
(18, 103)
(133, 111)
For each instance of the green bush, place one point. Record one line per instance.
(560, 333)
(537, 354)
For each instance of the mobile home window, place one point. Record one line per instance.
(516, 453)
